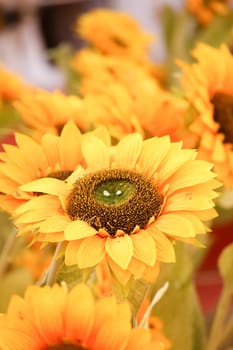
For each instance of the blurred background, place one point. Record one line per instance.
(28, 28)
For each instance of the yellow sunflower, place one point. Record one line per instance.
(115, 33)
(205, 10)
(209, 90)
(95, 68)
(11, 85)
(54, 156)
(51, 318)
(132, 91)
(126, 206)
(47, 112)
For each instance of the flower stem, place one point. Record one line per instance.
(218, 324)
(227, 332)
(55, 263)
(6, 250)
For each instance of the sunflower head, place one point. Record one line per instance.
(114, 33)
(103, 198)
(127, 209)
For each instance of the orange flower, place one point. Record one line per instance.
(114, 33)
(11, 85)
(126, 206)
(205, 10)
(209, 90)
(48, 112)
(132, 91)
(52, 318)
(54, 156)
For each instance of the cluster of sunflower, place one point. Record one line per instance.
(102, 186)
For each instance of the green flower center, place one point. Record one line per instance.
(114, 199)
(113, 192)
(223, 114)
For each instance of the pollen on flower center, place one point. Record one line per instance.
(66, 347)
(223, 114)
(114, 199)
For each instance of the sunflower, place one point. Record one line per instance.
(114, 33)
(76, 322)
(132, 91)
(11, 85)
(126, 206)
(29, 160)
(209, 90)
(205, 10)
(47, 112)
(95, 69)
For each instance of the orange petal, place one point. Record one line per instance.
(78, 229)
(71, 252)
(144, 247)
(47, 185)
(153, 152)
(55, 223)
(120, 249)
(138, 339)
(79, 313)
(128, 150)
(165, 249)
(70, 146)
(91, 251)
(122, 275)
(174, 224)
(48, 316)
(50, 145)
(100, 152)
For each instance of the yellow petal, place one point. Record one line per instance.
(165, 249)
(50, 145)
(144, 247)
(46, 185)
(70, 146)
(71, 252)
(96, 153)
(78, 229)
(192, 173)
(175, 224)
(122, 275)
(79, 313)
(120, 249)
(153, 152)
(55, 223)
(91, 252)
(128, 150)
(48, 316)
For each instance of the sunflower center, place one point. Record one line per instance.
(223, 114)
(66, 347)
(114, 199)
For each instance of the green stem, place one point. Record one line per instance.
(227, 332)
(6, 250)
(218, 324)
(54, 266)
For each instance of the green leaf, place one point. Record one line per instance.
(72, 275)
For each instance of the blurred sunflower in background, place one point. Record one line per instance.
(208, 86)
(76, 321)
